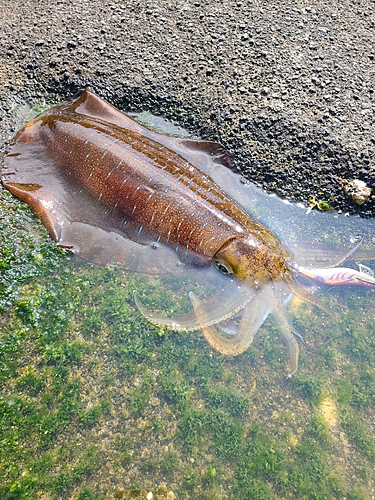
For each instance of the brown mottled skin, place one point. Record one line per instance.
(140, 179)
(253, 261)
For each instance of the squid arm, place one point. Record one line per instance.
(221, 307)
(288, 332)
(252, 319)
(307, 296)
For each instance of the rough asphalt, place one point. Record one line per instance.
(287, 86)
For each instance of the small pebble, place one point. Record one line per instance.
(358, 191)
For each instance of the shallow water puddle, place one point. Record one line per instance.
(96, 401)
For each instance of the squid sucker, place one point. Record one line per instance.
(110, 189)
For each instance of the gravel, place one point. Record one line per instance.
(287, 87)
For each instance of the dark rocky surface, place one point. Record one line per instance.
(287, 87)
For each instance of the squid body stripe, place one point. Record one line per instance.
(138, 187)
(179, 225)
(165, 191)
(128, 177)
(149, 196)
(208, 213)
(185, 190)
(152, 218)
(194, 202)
(106, 151)
(111, 172)
(180, 202)
(89, 137)
(167, 208)
(189, 236)
(123, 151)
(214, 237)
(188, 218)
(191, 215)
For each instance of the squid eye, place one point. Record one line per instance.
(220, 266)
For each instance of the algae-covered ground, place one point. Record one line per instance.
(96, 402)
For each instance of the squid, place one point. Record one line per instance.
(112, 191)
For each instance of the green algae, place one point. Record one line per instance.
(94, 400)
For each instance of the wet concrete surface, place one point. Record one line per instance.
(287, 87)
